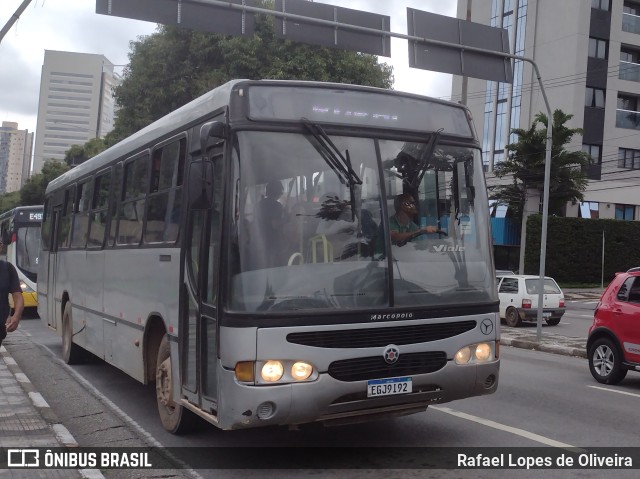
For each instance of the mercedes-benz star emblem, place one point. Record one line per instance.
(486, 326)
(391, 354)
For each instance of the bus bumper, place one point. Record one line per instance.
(338, 402)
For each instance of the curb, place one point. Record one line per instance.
(545, 348)
(61, 433)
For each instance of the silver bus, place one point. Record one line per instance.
(237, 253)
(20, 234)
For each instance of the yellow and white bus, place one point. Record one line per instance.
(237, 253)
(20, 233)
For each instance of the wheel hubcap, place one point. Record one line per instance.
(603, 360)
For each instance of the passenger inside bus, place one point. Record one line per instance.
(269, 235)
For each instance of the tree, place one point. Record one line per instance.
(173, 66)
(526, 162)
(78, 154)
(32, 193)
(8, 201)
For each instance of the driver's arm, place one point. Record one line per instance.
(399, 238)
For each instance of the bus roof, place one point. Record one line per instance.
(18, 209)
(199, 109)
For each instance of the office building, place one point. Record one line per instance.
(15, 156)
(588, 54)
(76, 103)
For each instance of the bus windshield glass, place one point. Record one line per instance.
(27, 249)
(313, 220)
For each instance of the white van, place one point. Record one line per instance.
(519, 299)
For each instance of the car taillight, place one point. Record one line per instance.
(562, 303)
(526, 303)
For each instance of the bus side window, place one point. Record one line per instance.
(46, 226)
(131, 215)
(99, 210)
(81, 215)
(115, 201)
(164, 203)
(64, 230)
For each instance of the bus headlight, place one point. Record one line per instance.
(25, 287)
(275, 372)
(483, 352)
(272, 371)
(463, 356)
(301, 370)
(474, 353)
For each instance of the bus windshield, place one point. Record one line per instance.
(27, 250)
(311, 224)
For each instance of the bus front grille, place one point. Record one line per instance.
(380, 337)
(375, 367)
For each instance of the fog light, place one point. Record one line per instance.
(301, 371)
(463, 356)
(266, 410)
(272, 371)
(483, 352)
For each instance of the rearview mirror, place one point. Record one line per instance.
(200, 186)
(213, 129)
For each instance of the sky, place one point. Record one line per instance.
(73, 25)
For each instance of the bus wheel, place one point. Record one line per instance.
(71, 353)
(175, 418)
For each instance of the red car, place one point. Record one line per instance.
(613, 347)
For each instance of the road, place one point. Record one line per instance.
(543, 400)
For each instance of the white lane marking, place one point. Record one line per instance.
(38, 400)
(615, 391)
(502, 427)
(64, 436)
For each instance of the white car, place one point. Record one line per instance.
(519, 299)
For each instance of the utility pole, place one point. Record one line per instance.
(465, 79)
(14, 18)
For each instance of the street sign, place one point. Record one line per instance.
(333, 35)
(448, 59)
(194, 15)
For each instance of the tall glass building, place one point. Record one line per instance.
(588, 53)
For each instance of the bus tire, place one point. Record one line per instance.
(175, 419)
(71, 353)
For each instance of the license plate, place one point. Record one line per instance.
(546, 315)
(388, 387)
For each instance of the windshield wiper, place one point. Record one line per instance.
(339, 163)
(422, 167)
(332, 155)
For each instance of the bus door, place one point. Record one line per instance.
(52, 265)
(199, 336)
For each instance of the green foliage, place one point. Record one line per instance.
(574, 248)
(9, 201)
(173, 66)
(78, 154)
(526, 162)
(32, 193)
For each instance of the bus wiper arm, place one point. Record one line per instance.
(422, 168)
(332, 155)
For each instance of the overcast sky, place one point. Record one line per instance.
(73, 25)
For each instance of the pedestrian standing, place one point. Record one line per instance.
(9, 285)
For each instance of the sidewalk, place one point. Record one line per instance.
(27, 421)
(549, 342)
